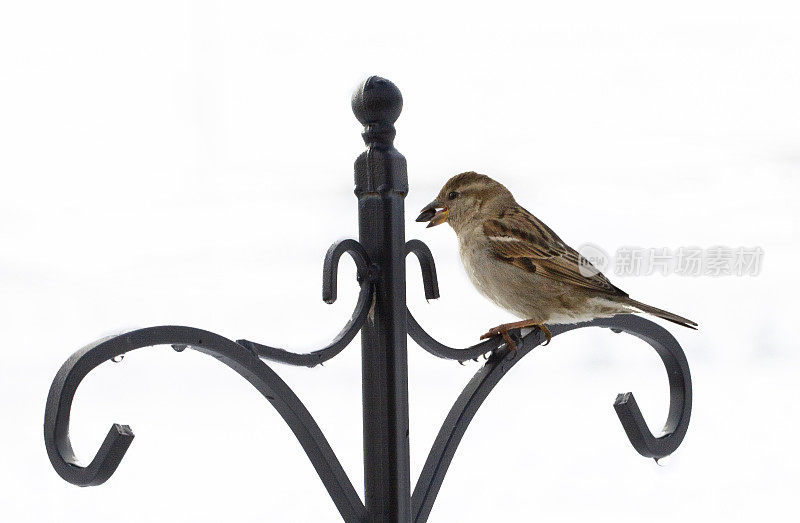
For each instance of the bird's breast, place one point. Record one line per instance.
(506, 285)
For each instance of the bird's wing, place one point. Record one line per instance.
(521, 239)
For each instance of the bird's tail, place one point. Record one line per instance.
(674, 318)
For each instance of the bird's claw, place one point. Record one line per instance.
(547, 334)
(502, 331)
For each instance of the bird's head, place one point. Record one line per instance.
(466, 197)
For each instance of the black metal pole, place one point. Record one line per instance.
(381, 184)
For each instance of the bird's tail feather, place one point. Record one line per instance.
(674, 318)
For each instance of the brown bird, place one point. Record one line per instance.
(520, 264)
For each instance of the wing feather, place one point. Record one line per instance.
(519, 238)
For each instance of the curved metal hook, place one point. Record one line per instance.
(366, 277)
(482, 383)
(680, 389)
(431, 285)
(427, 265)
(119, 438)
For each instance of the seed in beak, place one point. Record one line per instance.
(435, 213)
(426, 214)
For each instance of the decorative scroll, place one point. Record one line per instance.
(242, 357)
(366, 276)
(431, 286)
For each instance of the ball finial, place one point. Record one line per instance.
(377, 100)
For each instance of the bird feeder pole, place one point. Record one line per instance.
(381, 315)
(381, 184)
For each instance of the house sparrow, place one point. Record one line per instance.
(520, 264)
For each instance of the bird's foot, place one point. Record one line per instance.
(502, 330)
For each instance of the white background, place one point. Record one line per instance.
(190, 162)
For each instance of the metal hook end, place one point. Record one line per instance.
(637, 430)
(104, 464)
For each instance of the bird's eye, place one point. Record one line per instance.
(452, 195)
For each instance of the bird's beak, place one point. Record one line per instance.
(435, 213)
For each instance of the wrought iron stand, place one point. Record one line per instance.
(384, 321)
